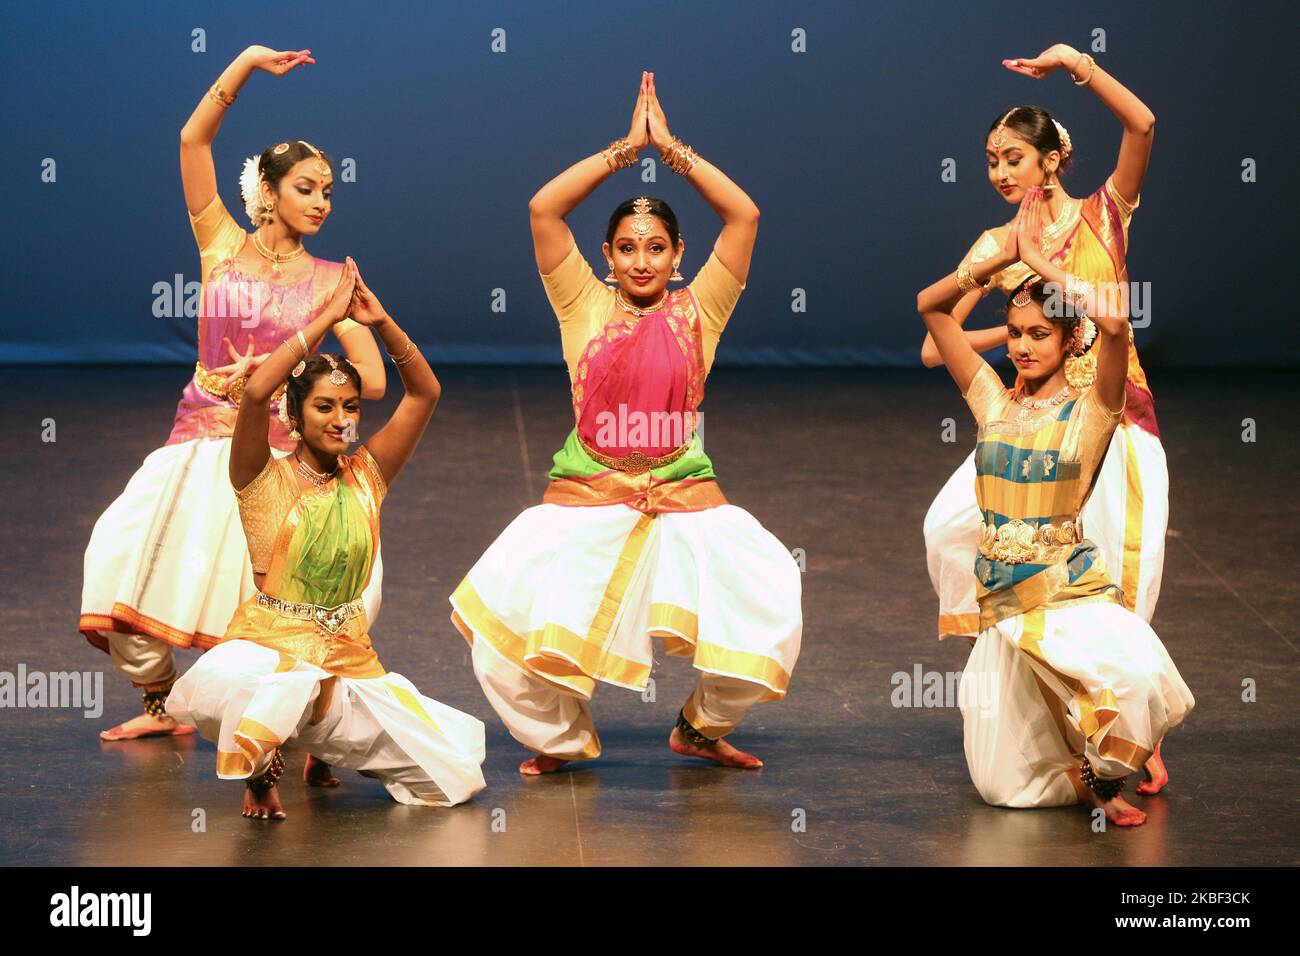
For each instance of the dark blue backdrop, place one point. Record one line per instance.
(840, 146)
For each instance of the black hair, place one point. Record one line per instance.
(1034, 125)
(315, 366)
(658, 208)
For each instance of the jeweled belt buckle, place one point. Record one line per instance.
(1018, 541)
(332, 619)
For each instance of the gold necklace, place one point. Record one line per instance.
(628, 307)
(1051, 231)
(275, 257)
(317, 478)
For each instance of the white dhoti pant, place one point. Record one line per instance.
(569, 596)
(1088, 679)
(249, 699)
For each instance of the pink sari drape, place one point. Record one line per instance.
(641, 380)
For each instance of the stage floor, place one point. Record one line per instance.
(839, 463)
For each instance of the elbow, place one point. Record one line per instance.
(1146, 127)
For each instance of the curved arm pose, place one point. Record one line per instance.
(1028, 149)
(166, 563)
(633, 530)
(1021, 162)
(312, 525)
(1085, 691)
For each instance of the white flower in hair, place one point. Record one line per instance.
(250, 181)
(1066, 146)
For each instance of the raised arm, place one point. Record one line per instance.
(1138, 121)
(359, 346)
(739, 214)
(945, 305)
(394, 443)
(248, 447)
(1107, 307)
(981, 340)
(552, 239)
(198, 174)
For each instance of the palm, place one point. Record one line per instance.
(1038, 67)
(638, 134)
(280, 62)
(658, 121)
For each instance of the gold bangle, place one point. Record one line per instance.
(619, 155)
(965, 281)
(410, 351)
(1092, 68)
(406, 355)
(220, 96)
(679, 157)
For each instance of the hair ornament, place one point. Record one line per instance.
(250, 182)
(337, 375)
(641, 221)
(298, 369)
(1026, 293)
(1067, 147)
(320, 165)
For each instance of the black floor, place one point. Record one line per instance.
(839, 463)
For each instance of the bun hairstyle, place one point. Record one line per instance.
(299, 387)
(1035, 126)
(658, 208)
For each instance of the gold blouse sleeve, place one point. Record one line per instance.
(580, 302)
(1125, 207)
(372, 473)
(217, 234)
(985, 394)
(716, 292)
(263, 503)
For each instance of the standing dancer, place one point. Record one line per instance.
(296, 662)
(1128, 513)
(167, 563)
(634, 537)
(1085, 689)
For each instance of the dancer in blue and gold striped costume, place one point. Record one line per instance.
(1085, 690)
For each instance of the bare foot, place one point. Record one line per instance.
(541, 764)
(1118, 811)
(146, 725)
(317, 773)
(719, 752)
(264, 805)
(1157, 775)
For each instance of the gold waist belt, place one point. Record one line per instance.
(215, 384)
(330, 619)
(635, 463)
(1019, 542)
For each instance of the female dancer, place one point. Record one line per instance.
(296, 662)
(1085, 688)
(167, 563)
(633, 537)
(1128, 513)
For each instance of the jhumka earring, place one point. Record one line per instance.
(611, 278)
(676, 276)
(1050, 183)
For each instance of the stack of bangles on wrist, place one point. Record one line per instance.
(221, 97)
(966, 282)
(679, 157)
(619, 155)
(406, 356)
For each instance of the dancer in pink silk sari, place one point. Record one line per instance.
(634, 539)
(167, 563)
